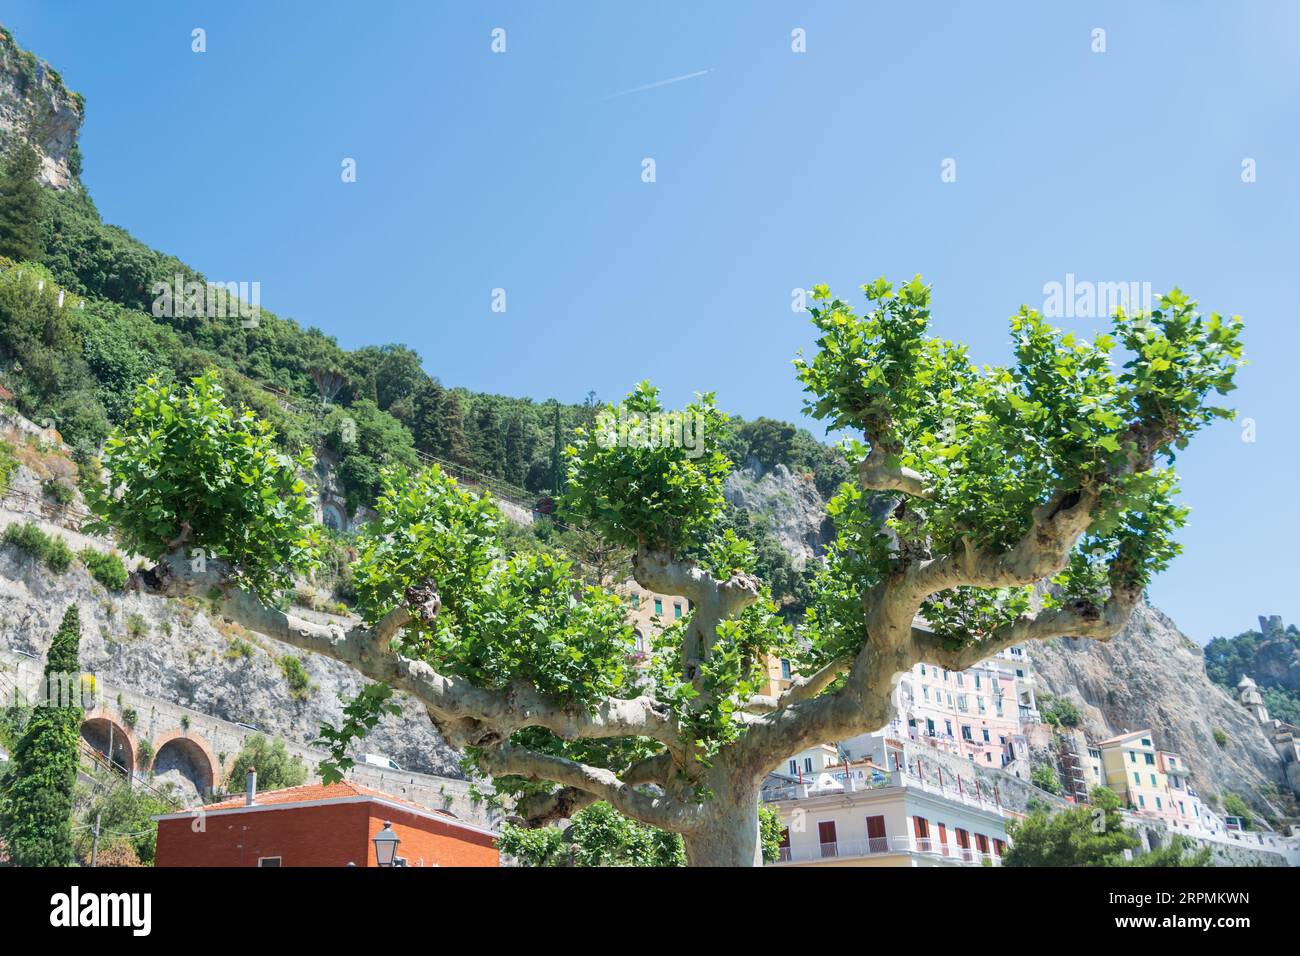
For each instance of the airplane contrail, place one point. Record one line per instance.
(651, 86)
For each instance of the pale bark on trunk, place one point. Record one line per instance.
(728, 833)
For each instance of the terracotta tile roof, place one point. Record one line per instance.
(315, 792)
(1134, 733)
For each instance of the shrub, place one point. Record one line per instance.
(296, 675)
(144, 754)
(275, 767)
(58, 491)
(1234, 806)
(1046, 778)
(107, 569)
(8, 465)
(1220, 737)
(27, 537)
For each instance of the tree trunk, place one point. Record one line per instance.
(729, 835)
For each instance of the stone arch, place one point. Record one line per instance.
(109, 736)
(190, 757)
(333, 516)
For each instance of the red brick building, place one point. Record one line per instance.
(318, 825)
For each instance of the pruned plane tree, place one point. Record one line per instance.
(993, 506)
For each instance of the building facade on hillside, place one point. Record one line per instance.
(1156, 784)
(650, 613)
(982, 715)
(317, 825)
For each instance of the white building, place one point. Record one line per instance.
(860, 815)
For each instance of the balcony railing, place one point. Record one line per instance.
(884, 846)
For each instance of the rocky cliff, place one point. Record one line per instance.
(35, 103)
(788, 503)
(1152, 675)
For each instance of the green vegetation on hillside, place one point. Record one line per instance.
(36, 802)
(1228, 659)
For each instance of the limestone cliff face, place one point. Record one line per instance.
(173, 650)
(790, 505)
(35, 103)
(1152, 675)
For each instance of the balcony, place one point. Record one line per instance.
(886, 846)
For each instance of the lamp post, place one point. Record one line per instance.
(385, 842)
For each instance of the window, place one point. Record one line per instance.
(981, 843)
(925, 692)
(980, 701)
(677, 610)
(1159, 805)
(1020, 673)
(986, 735)
(988, 756)
(785, 669)
(268, 861)
(963, 838)
(659, 605)
(1153, 780)
(998, 846)
(961, 702)
(1137, 779)
(807, 764)
(1132, 757)
(929, 727)
(922, 827)
(961, 681)
(948, 724)
(966, 733)
(1150, 759)
(1146, 742)
(997, 706)
(794, 767)
(922, 670)
(977, 681)
(1142, 801)
(826, 836)
(877, 842)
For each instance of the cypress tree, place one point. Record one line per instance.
(36, 805)
(20, 202)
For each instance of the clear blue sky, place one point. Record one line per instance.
(775, 170)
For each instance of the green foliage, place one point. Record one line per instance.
(8, 465)
(1178, 852)
(631, 488)
(1091, 835)
(20, 201)
(125, 820)
(367, 439)
(1058, 711)
(187, 471)
(1228, 659)
(1046, 778)
(27, 537)
(1234, 806)
(598, 836)
(296, 674)
(521, 619)
(276, 768)
(770, 831)
(106, 568)
(993, 444)
(360, 716)
(36, 801)
(1220, 737)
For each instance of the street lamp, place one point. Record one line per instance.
(385, 842)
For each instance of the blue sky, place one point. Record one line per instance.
(775, 170)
